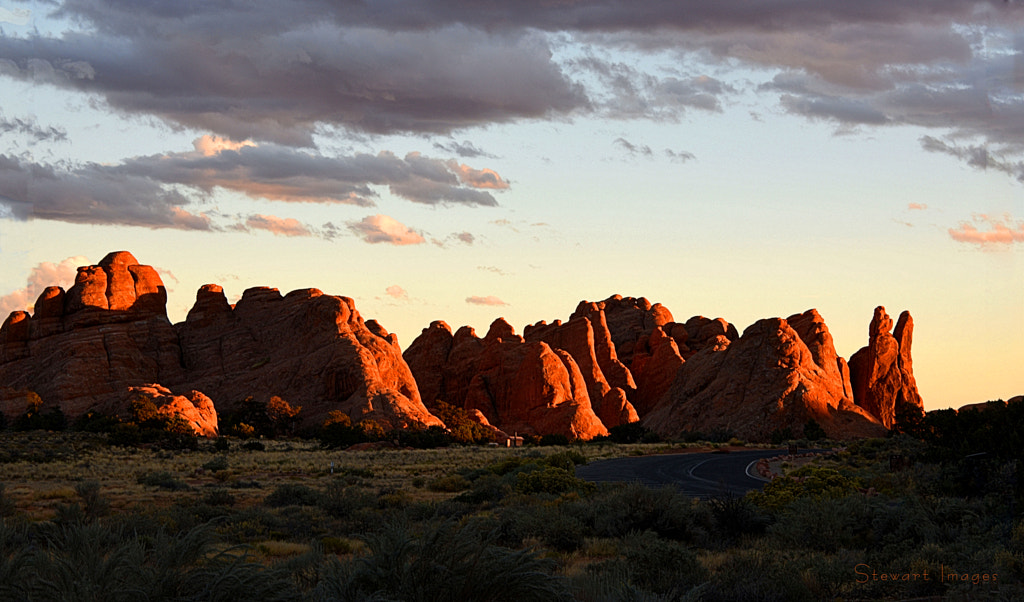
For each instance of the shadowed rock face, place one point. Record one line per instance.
(882, 372)
(84, 349)
(520, 386)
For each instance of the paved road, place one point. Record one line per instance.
(700, 475)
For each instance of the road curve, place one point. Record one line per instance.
(699, 474)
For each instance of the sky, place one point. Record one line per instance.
(460, 161)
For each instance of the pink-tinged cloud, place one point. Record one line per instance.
(396, 292)
(488, 300)
(382, 228)
(43, 275)
(279, 226)
(917, 206)
(478, 178)
(999, 232)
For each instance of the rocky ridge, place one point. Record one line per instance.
(107, 339)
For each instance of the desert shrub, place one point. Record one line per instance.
(461, 427)
(566, 460)
(94, 562)
(736, 516)
(450, 484)
(630, 432)
(222, 444)
(218, 497)
(404, 566)
(618, 510)
(95, 422)
(162, 479)
(94, 504)
(754, 574)
(341, 500)
(254, 446)
(488, 488)
(809, 481)
(551, 480)
(292, 494)
(337, 431)
(827, 524)
(218, 463)
(651, 565)
(813, 431)
(281, 416)
(553, 439)
(428, 438)
(7, 506)
(779, 436)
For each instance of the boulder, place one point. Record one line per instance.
(193, 407)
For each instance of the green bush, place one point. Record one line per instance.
(651, 565)
(809, 481)
(550, 480)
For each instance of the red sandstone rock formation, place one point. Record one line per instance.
(768, 379)
(577, 338)
(310, 349)
(627, 319)
(83, 348)
(193, 407)
(882, 372)
(518, 386)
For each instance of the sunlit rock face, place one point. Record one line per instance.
(85, 348)
(882, 372)
(769, 379)
(519, 386)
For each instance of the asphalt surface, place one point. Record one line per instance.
(698, 474)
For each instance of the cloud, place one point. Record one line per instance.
(488, 300)
(1001, 232)
(92, 194)
(634, 149)
(917, 206)
(274, 71)
(29, 127)
(278, 226)
(43, 275)
(478, 178)
(17, 16)
(383, 229)
(977, 156)
(154, 191)
(463, 149)
(396, 292)
(680, 156)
